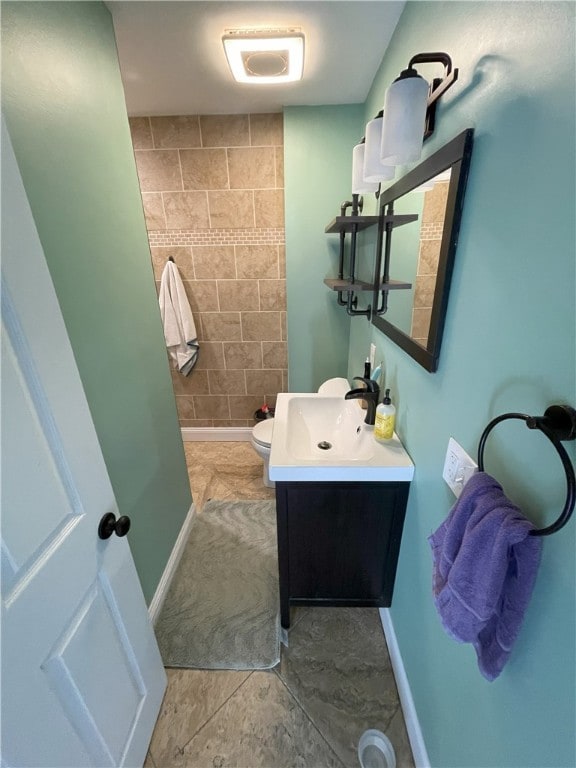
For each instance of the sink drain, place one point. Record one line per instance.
(324, 445)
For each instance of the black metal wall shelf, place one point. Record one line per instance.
(361, 285)
(353, 224)
(347, 223)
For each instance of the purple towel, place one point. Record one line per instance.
(485, 566)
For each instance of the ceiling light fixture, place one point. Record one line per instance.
(265, 56)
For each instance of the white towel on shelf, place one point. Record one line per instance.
(179, 328)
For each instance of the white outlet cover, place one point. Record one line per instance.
(458, 467)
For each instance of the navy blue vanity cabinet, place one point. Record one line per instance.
(338, 543)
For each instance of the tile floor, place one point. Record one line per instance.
(334, 680)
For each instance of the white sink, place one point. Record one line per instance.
(321, 437)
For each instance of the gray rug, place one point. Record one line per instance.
(222, 608)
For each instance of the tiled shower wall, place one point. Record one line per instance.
(212, 188)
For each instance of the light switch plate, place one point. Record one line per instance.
(458, 467)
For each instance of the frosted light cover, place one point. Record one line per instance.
(359, 185)
(374, 169)
(404, 118)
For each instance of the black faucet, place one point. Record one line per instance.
(371, 395)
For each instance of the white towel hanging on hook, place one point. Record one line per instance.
(179, 327)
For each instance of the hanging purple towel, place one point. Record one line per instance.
(485, 566)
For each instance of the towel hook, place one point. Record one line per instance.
(558, 423)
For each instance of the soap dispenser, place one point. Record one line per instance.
(385, 418)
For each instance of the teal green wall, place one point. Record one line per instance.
(509, 345)
(316, 182)
(64, 106)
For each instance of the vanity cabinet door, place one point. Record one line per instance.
(338, 543)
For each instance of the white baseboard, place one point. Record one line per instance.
(161, 590)
(226, 434)
(406, 701)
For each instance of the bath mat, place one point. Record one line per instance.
(222, 608)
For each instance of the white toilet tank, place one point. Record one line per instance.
(335, 387)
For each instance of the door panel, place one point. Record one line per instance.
(82, 678)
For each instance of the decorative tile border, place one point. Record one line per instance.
(183, 237)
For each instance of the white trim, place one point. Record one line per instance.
(239, 434)
(162, 589)
(406, 701)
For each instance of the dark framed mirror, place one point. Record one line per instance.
(418, 233)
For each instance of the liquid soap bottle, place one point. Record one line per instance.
(385, 418)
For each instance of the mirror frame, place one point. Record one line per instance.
(456, 156)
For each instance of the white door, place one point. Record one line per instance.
(82, 679)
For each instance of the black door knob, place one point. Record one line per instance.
(109, 525)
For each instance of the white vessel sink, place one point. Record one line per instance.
(320, 437)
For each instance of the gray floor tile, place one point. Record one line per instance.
(192, 697)
(398, 735)
(337, 667)
(335, 679)
(260, 726)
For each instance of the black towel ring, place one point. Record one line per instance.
(558, 423)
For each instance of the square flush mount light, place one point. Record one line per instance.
(265, 56)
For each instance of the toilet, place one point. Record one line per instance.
(261, 438)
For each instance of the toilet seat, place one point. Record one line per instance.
(262, 433)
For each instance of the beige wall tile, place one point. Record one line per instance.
(261, 326)
(213, 172)
(267, 129)
(181, 255)
(424, 291)
(269, 207)
(221, 326)
(141, 132)
(211, 407)
(283, 323)
(264, 381)
(279, 164)
(196, 383)
(238, 294)
(153, 211)
(196, 423)
(186, 210)
(227, 383)
(185, 406)
(272, 294)
(252, 168)
(214, 261)
(158, 170)
(421, 323)
(233, 422)
(233, 209)
(211, 356)
(202, 295)
(275, 354)
(242, 355)
(429, 255)
(176, 131)
(435, 203)
(225, 130)
(254, 261)
(244, 406)
(204, 168)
